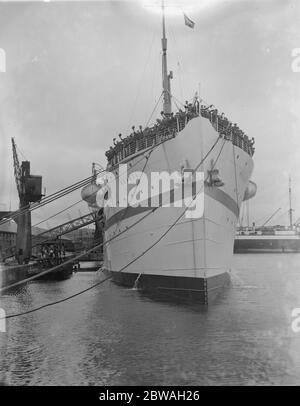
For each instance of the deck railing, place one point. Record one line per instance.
(170, 127)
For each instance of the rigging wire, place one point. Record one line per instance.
(147, 158)
(178, 61)
(49, 199)
(71, 260)
(281, 215)
(241, 216)
(58, 301)
(154, 79)
(145, 155)
(59, 212)
(135, 259)
(88, 179)
(141, 79)
(119, 174)
(69, 189)
(154, 109)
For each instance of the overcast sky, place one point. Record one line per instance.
(78, 73)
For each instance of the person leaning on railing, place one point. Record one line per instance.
(109, 154)
(139, 138)
(132, 144)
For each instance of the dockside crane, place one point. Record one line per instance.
(29, 189)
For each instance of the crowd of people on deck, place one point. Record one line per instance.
(229, 130)
(52, 252)
(167, 127)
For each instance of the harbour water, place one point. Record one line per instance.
(116, 336)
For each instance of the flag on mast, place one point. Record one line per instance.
(188, 21)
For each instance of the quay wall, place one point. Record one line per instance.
(10, 274)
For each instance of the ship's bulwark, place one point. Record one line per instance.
(194, 257)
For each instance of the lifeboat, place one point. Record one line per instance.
(89, 195)
(250, 190)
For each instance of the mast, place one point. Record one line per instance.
(290, 200)
(166, 78)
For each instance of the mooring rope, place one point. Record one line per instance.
(127, 265)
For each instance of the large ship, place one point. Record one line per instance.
(265, 238)
(158, 247)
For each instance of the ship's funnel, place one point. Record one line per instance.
(250, 190)
(89, 194)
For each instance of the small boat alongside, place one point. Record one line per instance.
(63, 272)
(88, 266)
(54, 256)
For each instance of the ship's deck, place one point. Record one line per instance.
(169, 127)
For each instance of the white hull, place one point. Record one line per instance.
(199, 248)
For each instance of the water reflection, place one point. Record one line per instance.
(116, 336)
